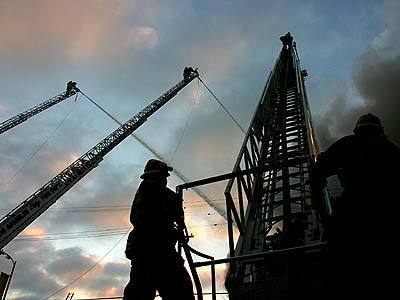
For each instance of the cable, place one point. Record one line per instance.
(87, 234)
(88, 270)
(208, 225)
(160, 157)
(39, 148)
(117, 208)
(187, 121)
(71, 235)
(65, 238)
(121, 207)
(224, 108)
(99, 107)
(120, 210)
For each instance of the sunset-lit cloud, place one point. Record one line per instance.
(33, 231)
(73, 30)
(142, 37)
(3, 109)
(58, 166)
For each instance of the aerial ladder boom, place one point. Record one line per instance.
(22, 117)
(29, 210)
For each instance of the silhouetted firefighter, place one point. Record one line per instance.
(363, 227)
(71, 86)
(187, 71)
(157, 216)
(286, 40)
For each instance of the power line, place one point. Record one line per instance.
(118, 208)
(77, 232)
(88, 234)
(125, 210)
(65, 238)
(71, 235)
(208, 225)
(223, 107)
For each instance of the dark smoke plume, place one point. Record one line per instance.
(377, 80)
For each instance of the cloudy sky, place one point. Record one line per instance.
(124, 54)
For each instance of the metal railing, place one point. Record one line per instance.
(210, 260)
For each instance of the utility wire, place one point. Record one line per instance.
(125, 206)
(223, 107)
(66, 237)
(72, 235)
(38, 149)
(116, 208)
(88, 234)
(208, 225)
(126, 210)
(88, 270)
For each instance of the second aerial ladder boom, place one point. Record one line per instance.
(22, 117)
(29, 210)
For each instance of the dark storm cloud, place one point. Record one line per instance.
(111, 277)
(69, 263)
(31, 280)
(43, 269)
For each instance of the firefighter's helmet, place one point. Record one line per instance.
(369, 121)
(156, 167)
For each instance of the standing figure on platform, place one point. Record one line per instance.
(188, 71)
(158, 218)
(363, 226)
(71, 87)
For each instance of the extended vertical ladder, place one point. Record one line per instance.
(275, 208)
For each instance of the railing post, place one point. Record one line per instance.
(183, 244)
(213, 283)
(193, 270)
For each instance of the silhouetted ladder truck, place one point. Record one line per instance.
(281, 250)
(70, 91)
(19, 218)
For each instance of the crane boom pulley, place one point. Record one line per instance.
(18, 219)
(22, 117)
